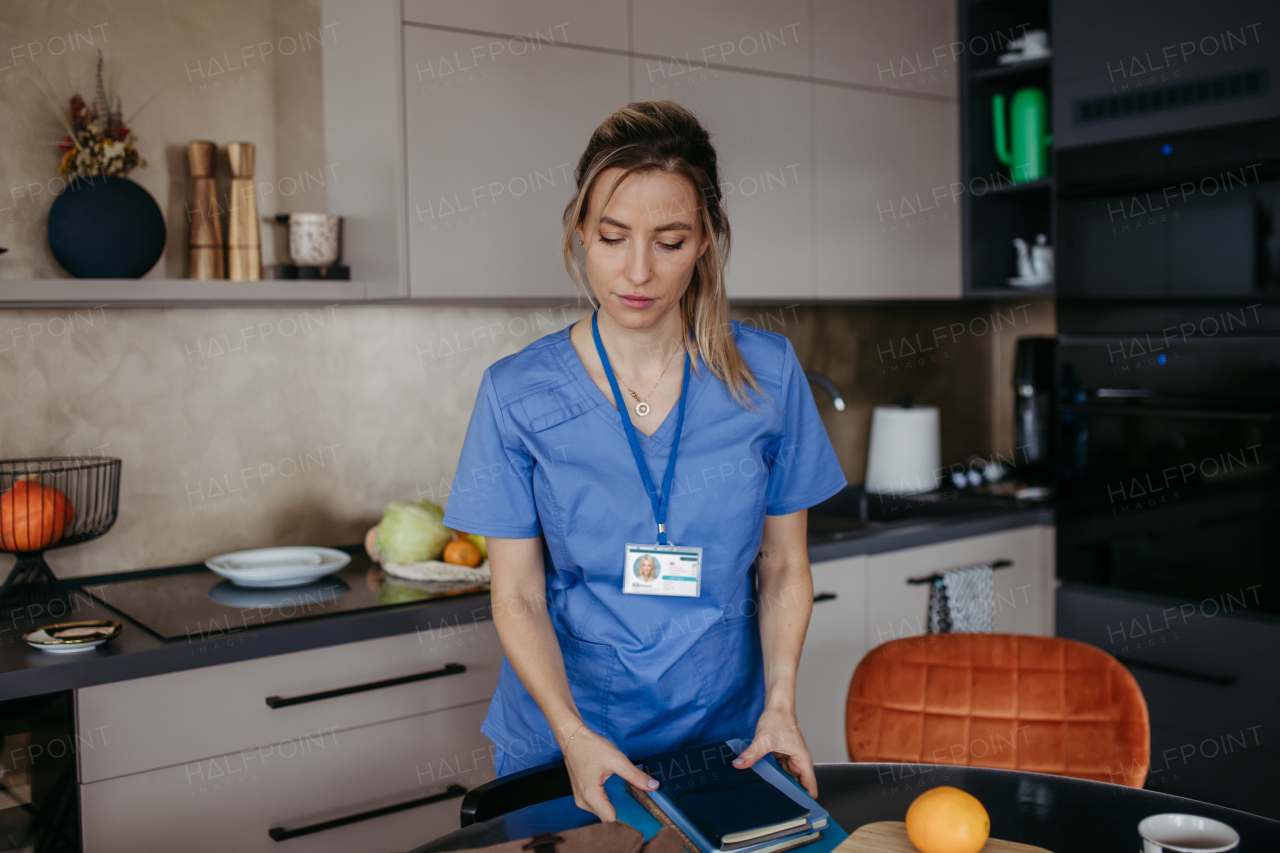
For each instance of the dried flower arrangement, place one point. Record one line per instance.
(98, 141)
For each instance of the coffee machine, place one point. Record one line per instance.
(1033, 409)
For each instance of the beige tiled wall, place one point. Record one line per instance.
(246, 427)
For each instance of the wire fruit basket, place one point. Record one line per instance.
(51, 503)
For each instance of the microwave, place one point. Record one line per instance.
(1172, 217)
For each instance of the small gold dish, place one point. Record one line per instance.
(73, 636)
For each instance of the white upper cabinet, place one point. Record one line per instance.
(761, 128)
(888, 196)
(493, 142)
(767, 35)
(902, 46)
(598, 23)
(841, 177)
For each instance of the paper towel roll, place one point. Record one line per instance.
(904, 453)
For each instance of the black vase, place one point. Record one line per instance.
(106, 228)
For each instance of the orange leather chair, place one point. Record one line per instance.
(1042, 704)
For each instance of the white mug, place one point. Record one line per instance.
(1186, 833)
(313, 239)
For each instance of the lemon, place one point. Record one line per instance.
(947, 820)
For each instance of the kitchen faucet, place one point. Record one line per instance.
(827, 385)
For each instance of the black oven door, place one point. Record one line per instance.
(1167, 474)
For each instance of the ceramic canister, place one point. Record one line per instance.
(904, 453)
(313, 239)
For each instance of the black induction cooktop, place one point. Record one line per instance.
(192, 603)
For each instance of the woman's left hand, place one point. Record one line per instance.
(779, 732)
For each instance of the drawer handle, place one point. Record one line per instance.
(1211, 678)
(824, 596)
(279, 833)
(286, 701)
(998, 564)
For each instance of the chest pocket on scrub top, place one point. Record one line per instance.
(551, 407)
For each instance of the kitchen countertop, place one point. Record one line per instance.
(138, 653)
(877, 537)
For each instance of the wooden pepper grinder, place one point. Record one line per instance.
(204, 249)
(244, 242)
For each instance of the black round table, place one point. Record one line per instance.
(1058, 813)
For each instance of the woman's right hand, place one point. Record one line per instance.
(591, 759)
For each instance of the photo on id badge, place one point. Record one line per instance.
(662, 570)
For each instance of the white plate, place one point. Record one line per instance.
(278, 567)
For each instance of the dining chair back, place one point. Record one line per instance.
(1041, 704)
(516, 791)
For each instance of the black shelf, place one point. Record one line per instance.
(998, 71)
(996, 209)
(1027, 187)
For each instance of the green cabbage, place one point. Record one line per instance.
(412, 532)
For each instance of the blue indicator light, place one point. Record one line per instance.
(1161, 359)
(1166, 149)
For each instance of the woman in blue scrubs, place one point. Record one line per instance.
(654, 427)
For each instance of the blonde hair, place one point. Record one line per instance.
(663, 136)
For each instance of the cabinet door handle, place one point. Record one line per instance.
(823, 596)
(279, 833)
(286, 701)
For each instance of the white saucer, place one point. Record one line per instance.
(42, 639)
(278, 567)
(1030, 282)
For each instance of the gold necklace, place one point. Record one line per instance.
(642, 408)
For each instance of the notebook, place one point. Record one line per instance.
(731, 809)
(768, 768)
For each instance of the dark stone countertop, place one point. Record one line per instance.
(138, 653)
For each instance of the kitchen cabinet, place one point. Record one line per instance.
(492, 146)
(599, 23)
(872, 603)
(1023, 591)
(836, 641)
(904, 46)
(1210, 673)
(218, 756)
(887, 196)
(762, 132)
(232, 801)
(769, 35)
(168, 719)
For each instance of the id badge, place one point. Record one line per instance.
(662, 570)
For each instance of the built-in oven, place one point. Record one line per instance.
(39, 806)
(1168, 443)
(1168, 532)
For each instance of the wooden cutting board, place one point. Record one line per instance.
(890, 836)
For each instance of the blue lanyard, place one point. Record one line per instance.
(659, 503)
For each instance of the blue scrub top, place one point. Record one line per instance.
(545, 455)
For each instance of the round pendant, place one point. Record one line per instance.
(642, 409)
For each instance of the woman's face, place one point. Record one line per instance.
(646, 568)
(641, 259)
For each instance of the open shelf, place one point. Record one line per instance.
(1002, 71)
(996, 209)
(1044, 184)
(155, 291)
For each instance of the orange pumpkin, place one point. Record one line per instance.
(33, 516)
